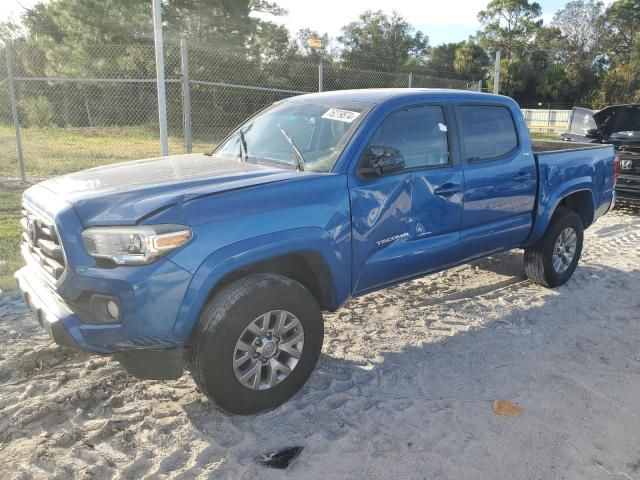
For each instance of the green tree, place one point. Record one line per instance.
(471, 60)
(219, 23)
(378, 38)
(580, 31)
(442, 57)
(270, 41)
(621, 84)
(621, 79)
(576, 41)
(622, 24)
(509, 26)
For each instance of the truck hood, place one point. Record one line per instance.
(125, 193)
(619, 123)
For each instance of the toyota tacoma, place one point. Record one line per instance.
(222, 263)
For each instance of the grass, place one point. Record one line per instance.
(10, 259)
(544, 136)
(53, 151)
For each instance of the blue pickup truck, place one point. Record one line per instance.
(223, 262)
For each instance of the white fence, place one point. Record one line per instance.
(546, 120)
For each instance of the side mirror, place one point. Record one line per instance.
(592, 133)
(382, 160)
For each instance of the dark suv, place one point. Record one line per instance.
(618, 125)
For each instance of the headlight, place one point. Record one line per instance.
(134, 245)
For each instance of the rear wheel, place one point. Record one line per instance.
(554, 258)
(256, 343)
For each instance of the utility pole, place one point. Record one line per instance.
(14, 110)
(186, 95)
(496, 74)
(162, 99)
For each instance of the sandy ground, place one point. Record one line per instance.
(403, 389)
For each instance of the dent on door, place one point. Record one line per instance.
(402, 229)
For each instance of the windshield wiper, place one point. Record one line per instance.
(244, 154)
(297, 155)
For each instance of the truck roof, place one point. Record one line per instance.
(378, 95)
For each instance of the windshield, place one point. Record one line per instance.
(303, 135)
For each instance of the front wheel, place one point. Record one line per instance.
(256, 343)
(554, 258)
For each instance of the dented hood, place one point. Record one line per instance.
(125, 193)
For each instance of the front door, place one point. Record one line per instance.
(407, 223)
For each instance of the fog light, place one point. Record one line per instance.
(112, 308)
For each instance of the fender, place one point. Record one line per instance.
(549, 201)
(245, 253)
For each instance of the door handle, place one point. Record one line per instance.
(522, 176)
(447, 189)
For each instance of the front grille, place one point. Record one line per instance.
(40, 238)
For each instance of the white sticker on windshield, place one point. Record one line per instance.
(442, 127)
(340, 115)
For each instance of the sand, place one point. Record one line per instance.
(404, 388)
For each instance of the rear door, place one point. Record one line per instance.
(500, 179)
(408, 223)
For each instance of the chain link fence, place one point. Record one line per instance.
(82, 107)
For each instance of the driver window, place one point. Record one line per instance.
(420, 133)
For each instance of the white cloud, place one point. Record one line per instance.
(12, 9)
(330, 15)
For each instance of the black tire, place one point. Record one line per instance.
(223, 321)
(538, 259)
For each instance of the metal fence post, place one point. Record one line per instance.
(14, 109)
(320, 75)
(162, 98)
(186, 95)
(496, 74)
(410, 80)
(480, 85)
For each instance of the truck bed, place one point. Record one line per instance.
(586, 167)
(546, 146)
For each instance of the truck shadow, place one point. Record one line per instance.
(548, 350)
(509, 266)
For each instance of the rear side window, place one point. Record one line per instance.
(420, 133)
(487, 132)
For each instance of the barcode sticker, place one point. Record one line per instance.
(340, 115)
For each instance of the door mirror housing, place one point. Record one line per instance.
(382, 160)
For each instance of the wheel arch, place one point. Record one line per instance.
(306, 267)
(576, 196)
(319, 266)
(581, 202)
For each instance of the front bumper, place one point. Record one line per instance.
(628, 186)
(47, 308)
(143, 341)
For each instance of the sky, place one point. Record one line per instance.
(442, 21)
